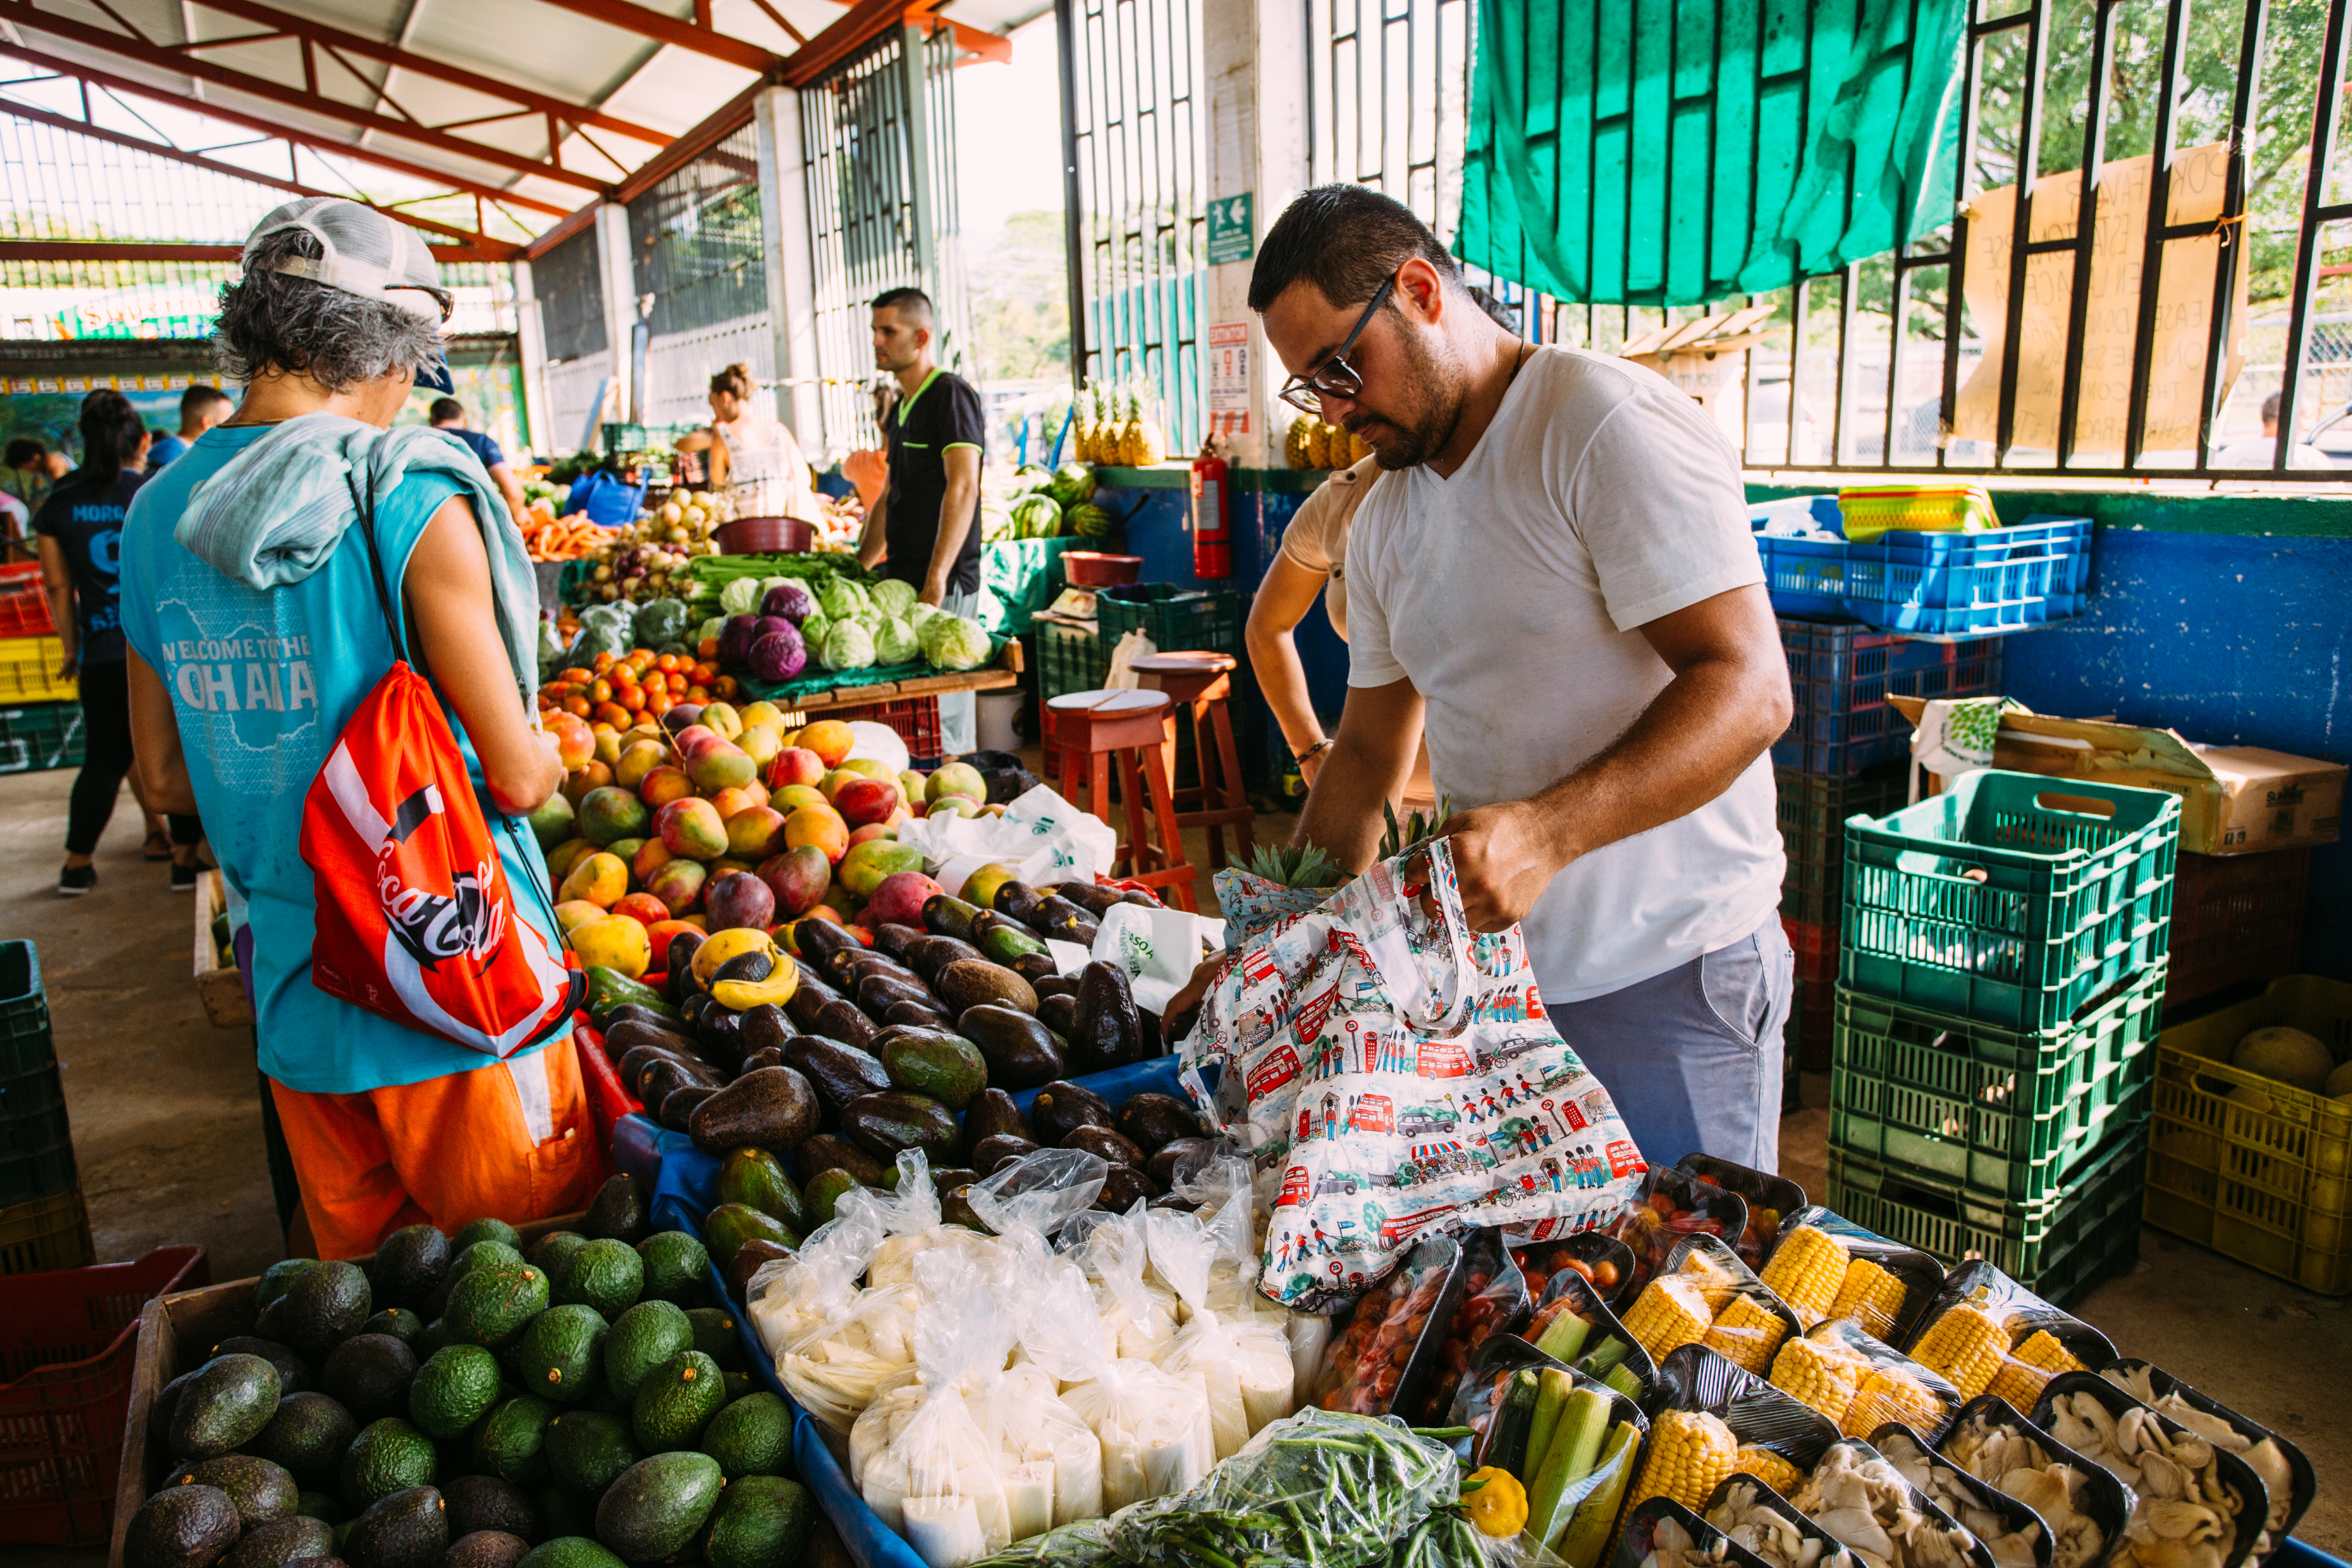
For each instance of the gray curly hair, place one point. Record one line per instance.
(271, 321)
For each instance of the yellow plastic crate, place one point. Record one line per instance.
(1865, 511)
(28, 671)
(2267, 1180)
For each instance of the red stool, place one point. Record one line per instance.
(1084, 732)
(1202, 681)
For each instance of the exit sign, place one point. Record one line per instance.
(1232, 237)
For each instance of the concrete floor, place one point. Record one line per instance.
(167, 1128)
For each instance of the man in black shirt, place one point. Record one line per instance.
(923, 530)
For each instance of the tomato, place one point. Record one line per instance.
(1581, 1268)
(698, 694)
(677, 682)
(640, 717)
(665, 663)
(579, 706)
(1605, 1274)
(600, 692)
(613, 713)
(707, 648)
(629, 694)
(706, 672)
(726, 686)
(602, 662)
(657, 702)
(575, 675)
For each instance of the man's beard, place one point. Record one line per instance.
(1446, 393)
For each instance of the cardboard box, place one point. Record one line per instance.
(2234, 800)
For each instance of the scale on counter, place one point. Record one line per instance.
(1071, 604)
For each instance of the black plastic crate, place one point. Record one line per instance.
(1812, 812)
(1841, 674)
(36, 1158)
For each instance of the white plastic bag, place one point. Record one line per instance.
(1043, 838)
(1153, 1428)
(1158, 947)
(1241, 1365)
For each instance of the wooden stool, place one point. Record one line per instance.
(1085, 729)
(1203, 682)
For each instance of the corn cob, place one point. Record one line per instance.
(1965, 1345)
(1690, 1454)
(1806, 1270)
(1767, 1466)
(1717, 1284)
(2028, 1366)
(1745, 1334)
(1890, 1394)
(1870, 1296)
(1823, 1375)
(1668, 1315)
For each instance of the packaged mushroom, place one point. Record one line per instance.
(2280, 1467)
(1988, 1334)
(1756, 1517)
(1859, 1497)
(2198, 1505)
(2012, 1533)
(2084, 1506)
(1824, 1266)
(1662, 1533)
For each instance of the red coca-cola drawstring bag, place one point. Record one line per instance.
(417, 919)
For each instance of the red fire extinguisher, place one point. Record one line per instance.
(1212, 548)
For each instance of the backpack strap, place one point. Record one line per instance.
(365, 504)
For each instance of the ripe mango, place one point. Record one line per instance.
(798, 877)
(573, 913)
(601, 878)
(865, 866)
(755, 832)
(615, 942)
(677, 884)
(611, 812)
(552, 823)
(640, 758)
(692, 828)
(722, 765)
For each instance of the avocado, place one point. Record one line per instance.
(434, 1337)
(306, 1438)
(326, 1306)
(487, 1549)
(944, 914)
(619, 1212)
(755, 1253)
(485, 1502)
(676, 1109)
(185, 1526)
(637, 1013)
(765, 1027)
(883, 1124)
(677, 1269)
(561, 1354)
(808, 998)
(398, 1321)
(1153, 1121)
(757, 1178)
(916, 1015)
(1058, 1011)
(406, 1529)
(762, 1521)
(1107, 1033)
(261, 1490)
(634, 1063)
(997, 1148)
(854, 967)
(773, 1109)
(771, 1057)
(489, 1306)
(663, 1077)
(955, 1208)
(944, 1066)
(280, 1542)
(656, 1507)
(642, 1339)
(278, 1279)
(926, 955)
(1091, 897)
(453, 1389)
(990, 1113)
(720, 1034)
(1058, 918)
(603, 1274)
(892, 938)
(486, 1229)
(967, 982)
(729, 1226)
(407, 1265)
(841, 1020)
(1021, 1052)
(1124, 1188)
(512, 1443)
(551, 1252)
(823, 945)
(1015, 947)
(825, 1192)
(1104, 1143)
(324, 1507)
(387, 1457)
(1014, 899)
(1180, 1160)
(587, 1450)
(675, 1038)
(1061, 1107)
(225, 1406)
(877, 991)
(369, 1374)
(839, 1073)
(677, 1401)
(293, 1372)
(716, 1336)
(571, 1551)
(830, 1151)
(752, 1436)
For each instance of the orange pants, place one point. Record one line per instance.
(510, 1141)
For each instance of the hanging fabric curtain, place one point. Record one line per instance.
(1673, 152)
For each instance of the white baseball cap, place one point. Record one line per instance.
(361, 251)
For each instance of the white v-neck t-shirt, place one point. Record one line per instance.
(1511, 595)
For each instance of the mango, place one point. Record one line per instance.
(642, 908)
(792, 797)
(760, 744)
(551, 822)
(652, 856)
(864, 865)
(690, 738)
(561, 858)
(954, 806)
(664, 785)
(755, 832)
(871, 767)
(615, 943)
(691, 827)
(819, 826)
(611, 812)
(724, 864)
(677, 884)
(830, 739)
(627, 848)
(573, 913)
(798, 877)
(911, 784)
(608, 747)
(979, 888)
(640, 758)
(754, 714)
(795, 765)
(574, 741)
(654, 733)
(660, 932)
(719, 766)
(956, 778)
(864, 800)
(831, 785)
(603, 880)
(736, 798)
(593, 776)
(721, 720)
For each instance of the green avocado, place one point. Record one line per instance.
(587, 1450)
(642, 1339)
(453, 1390)
(677, 1269)
(656, 1506)
(398, 1321)
(193, 1527)
(716, 1336)
(752, 1436)
(729, 1226)
(409, 1529)
(756, 1178)
(570, 1551)
(761, 1521)
(946, 1067)
(825, 1191)
(278, 1279)
(551, 1252)
(325, 1307)
(387, 1457)
(677, 1401)
(262, 1491)
(370, 1373)
(280, 1542)
(561, 1354)
(225, 1406)
(606, 1274)
(487, 1230)
(512, 1443)
(490, 1305)
(306, 1438)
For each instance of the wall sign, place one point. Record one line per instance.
(1232, 236)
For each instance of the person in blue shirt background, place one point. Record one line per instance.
(201, 408)
(449, 413)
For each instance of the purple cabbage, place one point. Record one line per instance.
(789, 600)
(735, 640)
(778, 655)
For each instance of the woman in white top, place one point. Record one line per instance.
(753, 454)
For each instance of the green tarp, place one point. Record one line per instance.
(1019, 577)
(1675, 151)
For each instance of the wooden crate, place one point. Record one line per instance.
(174, 1333)
(221, 989)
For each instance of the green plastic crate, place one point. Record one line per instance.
(40, 736)
(2008, 1115)
(2010, 898)
(2086, 1232)
(1175, 619)
(1068, 659)
(24, 1044)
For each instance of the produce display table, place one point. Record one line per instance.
(934, 684)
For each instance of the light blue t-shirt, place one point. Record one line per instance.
(262, 684)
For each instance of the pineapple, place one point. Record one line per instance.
(1357, 448)
(1089, 444)
(1295, 441)
(1128, 433)
(1317, 444)
(1146, 439)
(1292, 866)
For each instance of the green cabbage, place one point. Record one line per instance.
(661, 621)
(841, 598)
(953, 642)
(711, 629)
(814, 627)
(896, 643)
(847, 646)
(1036, 517)
(741, 596)
(892, 597)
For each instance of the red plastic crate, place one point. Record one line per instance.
(2236, 918)
(1816, 948)
(915, 719)
(67, 1345)
(24, 602)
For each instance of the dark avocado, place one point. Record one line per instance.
(858, 967)
(829, 1152)
(773, 1109)
(946, 1067)
(840, 1019)
(770, 1058)
(992, 1112)
(407, 1264)
(948, 1176)
(325, 1307)
(1180, 1160)
(998, 1147)
(1016, 898)
(1058, 918)
(909, 1013)
(766, 1028)
(824, 946)
(223, 1407)
(182, 1526)
(644, 1017)
(261, 1490)
(1091, 897)
(892, 938)
(955, 1208)
(1107, 1033)
(485, 1502)
(883, 1124)
(1061, 1107)
(825, 1189)
(926, 955)
(282, 1541)
(729, 1226)
(839, 1073)
(1104, 1143)
(966, 983)
(1021, 1052)
(946, 915)
(625, 1036)
(678, 964)
(754, 1251)
(1125, 1187)
(618, 1211)
(757, 1177)
(639, 1061)
(876, 993)
(1059, 1012)
(663, 1077)
(1059, 986)
(1151, 1122)
(678, 1107)
(293, 1372)
(487, 1549)
(409, 1529)
(809, 997)
(720, 1032)
(370, 1373)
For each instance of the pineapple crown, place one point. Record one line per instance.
(1292, 866)
(1415, 830)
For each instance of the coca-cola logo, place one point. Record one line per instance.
(466, 922)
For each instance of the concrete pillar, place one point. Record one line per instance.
(791, 265)
(620, 274)
(1254, 60)
(530, 342)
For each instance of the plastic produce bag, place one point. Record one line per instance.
(1824, 1266)
(1043, 838)
(1706, 1295)
(1082, 1545)
(1242, 1366)
(1154, 1428)
(1114, 1250)
(1389, 1351)
(1391, 1073)
(1988, 1334)
(1872, 1383)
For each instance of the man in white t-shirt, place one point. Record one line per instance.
(1557, 581)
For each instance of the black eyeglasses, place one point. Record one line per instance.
(441, 297)
(1335, 377)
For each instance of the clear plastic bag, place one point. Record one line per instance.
(1086, 1544)
(1115, 1252)
(1862, 1385)
(1824, 1266)
(835, 1345)
(1988, 1334)
(1242, 1366)
(1705, 1294)
(1388, 1348)
(1154, 1430)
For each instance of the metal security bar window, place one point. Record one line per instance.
(1388, 99)
(568, 284)
(699, 273)
(880, 182)
(1136, 145)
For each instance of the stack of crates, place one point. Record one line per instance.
(1189, 620)
(40, 715)
(1847, 752)
(42, 1222)
(2000, 986)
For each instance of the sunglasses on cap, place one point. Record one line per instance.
(1335, 377)
(441, 297)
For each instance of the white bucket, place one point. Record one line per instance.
(998, 710)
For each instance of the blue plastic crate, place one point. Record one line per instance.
(1937, 584)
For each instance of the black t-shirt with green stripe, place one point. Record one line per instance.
(944, 412)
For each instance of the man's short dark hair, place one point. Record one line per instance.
(445, 410)
(911, 303)
(24, 449)
(2271, 409)
(1345, 239)
(199, 398)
